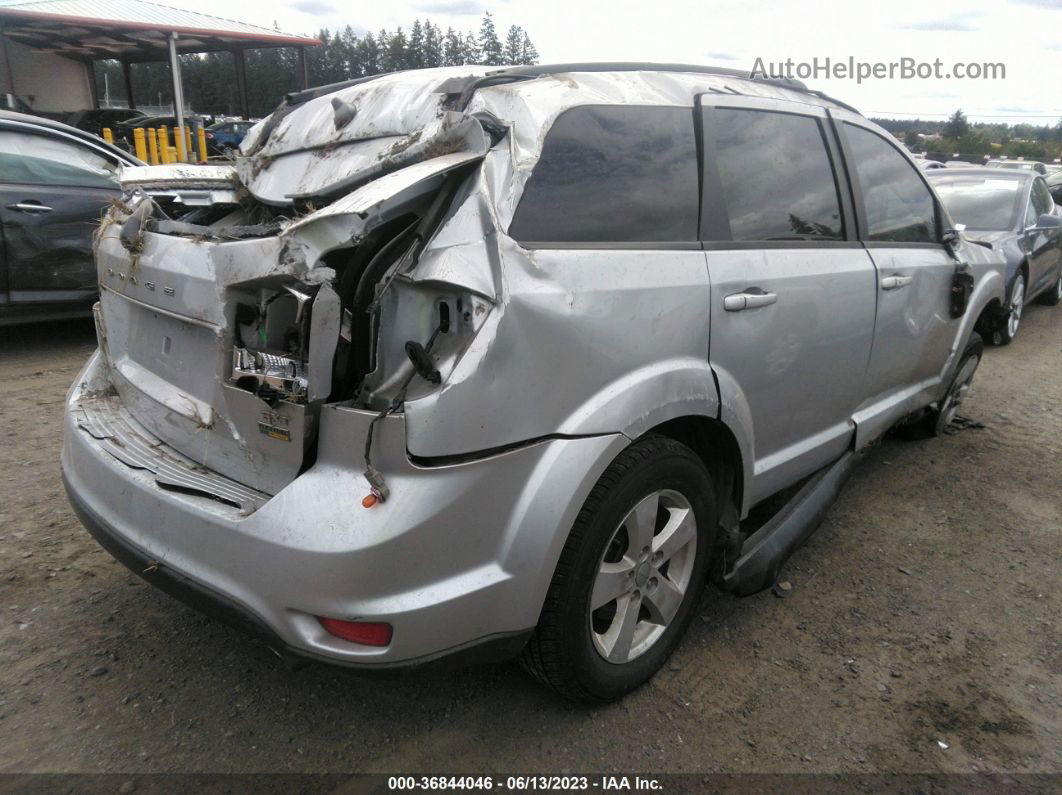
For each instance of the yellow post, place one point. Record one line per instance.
(107, 136)
(164, 144)
(153, 146)
(138, 143)
(178, 138)
(202, 144)
(188, 140)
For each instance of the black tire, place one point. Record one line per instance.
(562, 652)
(933, 420)
(1053, 297)
(1004, 331)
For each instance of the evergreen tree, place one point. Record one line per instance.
(433, 55)
(514, 46)
(453, 48)
(490, 49)
(470, 51)
(528, 54)
(210, 85)
(957, 126)
(369, 55)
(351, 60)
(415, 50)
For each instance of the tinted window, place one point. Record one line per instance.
(44, 160)
(776, 176)
(898, 206)
(1041, 198)
(613, 174)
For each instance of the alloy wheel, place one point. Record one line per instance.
(643, 576)
(957, 394)
(1017, 303)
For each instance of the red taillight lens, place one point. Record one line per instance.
(367, 633)
(210, 136)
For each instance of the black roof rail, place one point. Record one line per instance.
(636, 66)
(298, 97)
(543, 70)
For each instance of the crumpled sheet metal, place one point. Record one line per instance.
(104, 419)
(178, 175)
(306, 153)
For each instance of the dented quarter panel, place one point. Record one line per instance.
(346, 220)
(587, 342)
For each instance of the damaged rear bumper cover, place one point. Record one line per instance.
(440, 568)
(219, 606)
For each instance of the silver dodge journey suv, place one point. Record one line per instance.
(495, 363)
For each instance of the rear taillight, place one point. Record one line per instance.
(210, 136)
(367, 633)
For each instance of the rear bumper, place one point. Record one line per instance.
(218, 606)
(459, 558)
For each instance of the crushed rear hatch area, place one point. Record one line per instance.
(231, 310)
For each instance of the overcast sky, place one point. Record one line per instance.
(1024, 35)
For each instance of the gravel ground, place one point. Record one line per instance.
(920, 635)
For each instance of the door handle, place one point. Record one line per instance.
(894, 282)
(30, 207)
(748, 300)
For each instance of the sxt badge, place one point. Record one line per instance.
(274, 425)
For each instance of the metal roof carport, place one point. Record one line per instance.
(134, 31)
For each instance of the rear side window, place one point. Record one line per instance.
(613, 174)
(776, 176)
(897, 204)
(1041, 198)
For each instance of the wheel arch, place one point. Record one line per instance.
(718, 449)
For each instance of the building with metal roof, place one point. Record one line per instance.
(48, 47)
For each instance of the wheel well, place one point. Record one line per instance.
(995, 310)
(989, 317)
(717, 448)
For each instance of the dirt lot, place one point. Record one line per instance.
(925, 611)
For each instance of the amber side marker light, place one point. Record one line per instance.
(367, 633)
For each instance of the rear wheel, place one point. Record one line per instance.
(630, 576)
(1007, 328)
(933, 420)
(953, 399)
(1053, 297)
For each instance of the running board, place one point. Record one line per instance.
(765, 552)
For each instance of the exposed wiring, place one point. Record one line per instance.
(372, 475)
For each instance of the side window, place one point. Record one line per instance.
(897, 205)
(777, 180)
(1041, 198)
(613, 174)
(43, 160)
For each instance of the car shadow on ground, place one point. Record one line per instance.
(42, 338)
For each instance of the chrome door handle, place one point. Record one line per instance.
(30, 207)
(748, 300)
(894, 282)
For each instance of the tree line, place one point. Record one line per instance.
(958, 134)
(210, 84)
